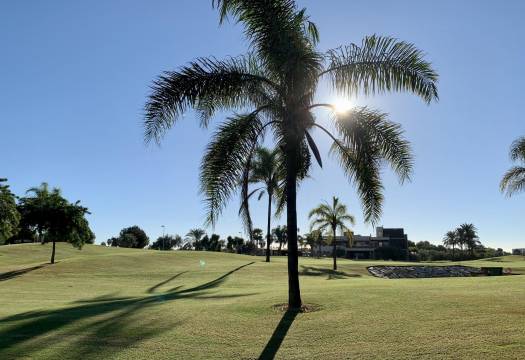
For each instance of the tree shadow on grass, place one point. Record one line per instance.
(16, 273)
(104, 324)
(152, 289)
(273, 345)
(329, 273)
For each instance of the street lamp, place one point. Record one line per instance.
(163, 238)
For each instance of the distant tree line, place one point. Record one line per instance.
(461, 243)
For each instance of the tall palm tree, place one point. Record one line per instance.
(194, 236)
(272, 88)
(265, 169)
(331, 216)
(451, 240)
(514, 179)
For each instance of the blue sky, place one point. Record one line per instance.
(75, 75)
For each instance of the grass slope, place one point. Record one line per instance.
(107, 303)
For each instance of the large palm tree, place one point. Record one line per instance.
(331, 217)
(272, 88)
(514, 179)
(266, 170)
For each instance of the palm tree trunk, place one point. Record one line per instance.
(334, 253)
(268, 227)
(294, 292)
(53, 253)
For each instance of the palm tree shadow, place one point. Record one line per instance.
(330, 274)
(154, 288)
(16, 273)
(277, 338)
(97, 318)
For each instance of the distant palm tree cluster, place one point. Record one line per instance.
(464, 239)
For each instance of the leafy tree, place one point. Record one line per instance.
(215, 243)
(167, 242)
(315, 240)
(9, 215)
(130, 237)
(234, 244)
(103, 243)
(273, 88)
(514, 179)
(55, 218)
(34, 208)
(331, 216)
(281, 236)
(266, 169)
(112, 240)
(193, 238)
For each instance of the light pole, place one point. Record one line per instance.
(163, 239)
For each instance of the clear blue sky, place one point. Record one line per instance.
(75, 75)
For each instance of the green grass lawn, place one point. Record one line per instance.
(109, 303)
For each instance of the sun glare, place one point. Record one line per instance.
(342, 105)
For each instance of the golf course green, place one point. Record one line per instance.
(113, 303)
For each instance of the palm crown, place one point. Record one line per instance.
(278, 80)
(272, 89)
(331, 216)
(514, 179)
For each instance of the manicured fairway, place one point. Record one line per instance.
(108, 303)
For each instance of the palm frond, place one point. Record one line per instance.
(225, 160)
(517, 150)
(349, 218)
(513, 181)
(382, 64)
(369, 130)
(280, 34)
(363, 168)
(207, 84)
(244, 210)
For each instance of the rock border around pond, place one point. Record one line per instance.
(419, 272)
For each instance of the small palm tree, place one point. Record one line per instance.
(332, 217)
(194, 236)
(272, 89)
(265, 169)
(514, 179)
(451, 240)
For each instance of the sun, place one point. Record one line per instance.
(342, 105)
